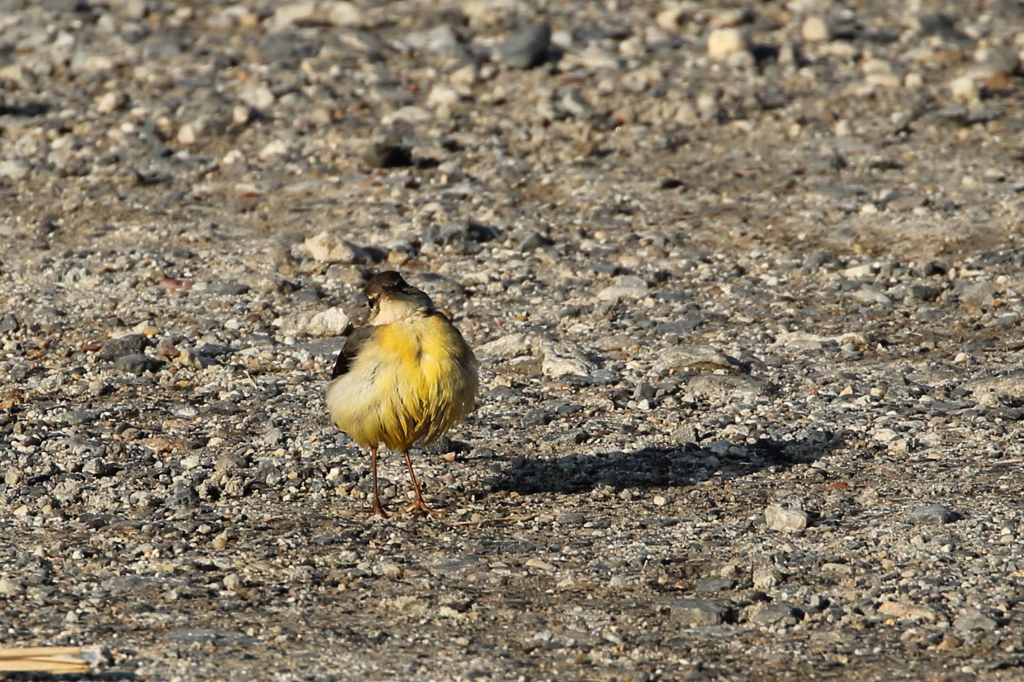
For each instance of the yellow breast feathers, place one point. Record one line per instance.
(411, 381)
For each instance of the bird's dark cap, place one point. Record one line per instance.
(388, 278)
(390, 284)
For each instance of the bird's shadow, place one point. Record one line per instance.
(659, 467)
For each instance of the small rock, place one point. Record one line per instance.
(724, 42)
(715, 585)
(14, 169)
(129, 344)
(9, 587)
(229, 289)
(625, 287)
(9, 323)
(96, 467)
(411, 115)
(286, 15)
(110, 102)
(328, 248)
(766, 577)
(570, 519)
(272, 149)
(973, 619)
(964, 89)
(978, 294)
(344, 14)
(527, 47)
(137, 363)
(780, 518)
(332, 322)
(671, 18)
(388, 155)
(534, 562)
(694, 359)
(694, 612)
(815, 30)
(772, 614)
(904, 611)
(932, 515)
(80, 416)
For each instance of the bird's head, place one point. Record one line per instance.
(392, 298)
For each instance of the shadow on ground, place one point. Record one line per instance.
(661, 467)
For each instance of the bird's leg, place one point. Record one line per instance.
(418, 505)
(376, 507)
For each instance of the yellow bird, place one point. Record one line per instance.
(406, 376)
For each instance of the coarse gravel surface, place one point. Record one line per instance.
(745, 281)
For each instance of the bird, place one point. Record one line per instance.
(406, 376)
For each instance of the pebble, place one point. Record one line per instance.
(326, 247)
(775, 614)
(905, 611)
(9, 323)
(128, 344)
(725, 42)
(137, 363)
(696, 612)
(779, 518)
(973, 619)
(715, 585)
(815, 30)
(388, 155)
(932, 515)
(964, 89)
(9, 588)
(527, 46)
(14, 169)
(332, 322)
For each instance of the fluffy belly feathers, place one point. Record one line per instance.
(413, 382)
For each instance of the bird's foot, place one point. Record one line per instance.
(375, 509)
(418, 507)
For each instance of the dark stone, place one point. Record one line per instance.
(137, 363)
(388, 155)
(526, 47)
(130, 344)
(714, 585)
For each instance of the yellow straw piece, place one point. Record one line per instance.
(48, 659)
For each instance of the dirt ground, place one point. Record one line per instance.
(744, 281)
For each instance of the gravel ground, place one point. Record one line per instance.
(745, 282)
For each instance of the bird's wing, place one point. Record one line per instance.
(356, 340)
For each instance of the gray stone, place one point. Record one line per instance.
(570, 519)
(526, 47)
(229, 289)
(130, 344)
(932, 515)
(773, 614)
(715, 585)
(973, 619)
(138, 363)
(694, 612)
(80, 416)
(9, 323)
